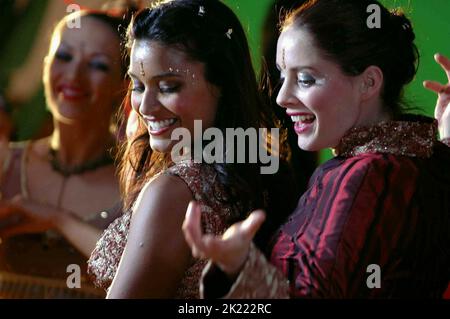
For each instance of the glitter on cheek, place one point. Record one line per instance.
(321, 81)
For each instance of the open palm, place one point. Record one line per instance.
(228, 251)
(442, 111)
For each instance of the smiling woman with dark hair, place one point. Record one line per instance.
(189, 60)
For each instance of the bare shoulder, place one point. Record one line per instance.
(165, 194)
(155, 229)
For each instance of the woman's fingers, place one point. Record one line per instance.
(228, 250)
(213, 247)
(192, 227)
(202, 245)
(253, 222)
(444, 62)
(434, 86)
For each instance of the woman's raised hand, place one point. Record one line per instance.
(22, 216)
(442, 110)
(229, 251)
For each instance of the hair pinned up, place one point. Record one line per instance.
(339, 29)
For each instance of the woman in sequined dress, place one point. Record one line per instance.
(189, 61)
(64, 185)
(375, 220)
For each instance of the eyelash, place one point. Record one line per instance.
(306, 83)
(99, 66)
(169, 89)
(63, 56)
(163, 90)
(66, 57)
(136, 88)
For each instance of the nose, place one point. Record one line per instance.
(149, 103)
(75, 71)
(286, 97)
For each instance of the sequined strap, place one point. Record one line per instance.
(15, 286)
(200, 178)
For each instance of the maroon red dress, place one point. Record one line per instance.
(384, 201)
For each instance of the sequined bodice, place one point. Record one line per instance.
(206, 189)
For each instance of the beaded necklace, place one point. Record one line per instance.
(90, 165)
(66, 172)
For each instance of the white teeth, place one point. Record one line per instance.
(158, 125)
(72, 93)
(302, 118)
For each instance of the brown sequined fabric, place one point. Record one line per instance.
(407, 138)
(206, 189)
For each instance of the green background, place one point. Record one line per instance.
(430, 19)
(431, 22)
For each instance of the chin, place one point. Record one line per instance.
(306, 145)
(70, 112)
(162, 146)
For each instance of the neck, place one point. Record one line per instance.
(373, 113)
(78, 144)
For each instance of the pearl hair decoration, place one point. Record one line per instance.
(229, 32)
(201, 11)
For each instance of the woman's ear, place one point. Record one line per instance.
(371, 82)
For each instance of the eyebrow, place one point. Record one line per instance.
(156, 77)
(98, 54)
(94, 54)
(298, 68)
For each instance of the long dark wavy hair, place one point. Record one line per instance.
(209, 32)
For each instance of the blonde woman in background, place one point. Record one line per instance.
(59, 192)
